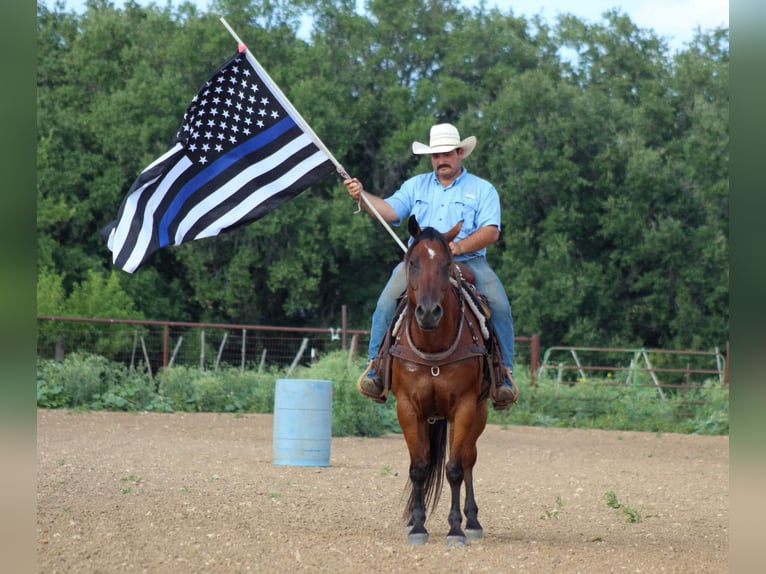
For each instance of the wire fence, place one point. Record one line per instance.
(157, 344)
(662, 368)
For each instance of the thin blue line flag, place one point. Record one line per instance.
(238, 155)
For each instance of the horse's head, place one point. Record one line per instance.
(429, 266)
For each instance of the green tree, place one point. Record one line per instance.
(609, 154)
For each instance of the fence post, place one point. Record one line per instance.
(175, 351)
(343, 326)
(165, 337)
(146, 356)
(298, 356)
(220, 349)
(133, 353)
(244, 338)
(202, 350)
(534, 358)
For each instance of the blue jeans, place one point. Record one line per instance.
(487, 283)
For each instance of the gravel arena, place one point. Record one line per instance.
(198, 492)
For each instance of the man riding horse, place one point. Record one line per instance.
(440, 199)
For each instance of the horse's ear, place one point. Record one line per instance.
(452, 233)
(413, 227)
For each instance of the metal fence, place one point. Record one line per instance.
(156, 344)
(683, 373)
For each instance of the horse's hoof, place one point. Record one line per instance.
(474, 533)
(455, 540)
(418, 538)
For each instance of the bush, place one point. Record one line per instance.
(226, 390)
(247, 391)
(353, 414)
(175, 386)
(609, 406)
(77, 378)
(50, 395)
(91, 381)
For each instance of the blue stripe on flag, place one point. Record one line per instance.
(214, 169)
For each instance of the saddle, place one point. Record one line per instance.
(485, 345)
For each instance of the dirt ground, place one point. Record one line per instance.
(166, 493)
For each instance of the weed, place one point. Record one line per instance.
(131, 478)
(633, 514)
(554, 513)
(386, 471)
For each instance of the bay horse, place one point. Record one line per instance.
(436, 376)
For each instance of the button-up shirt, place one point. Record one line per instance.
(470, 198)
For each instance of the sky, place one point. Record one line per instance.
(674, 20)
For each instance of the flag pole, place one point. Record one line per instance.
(242, 47)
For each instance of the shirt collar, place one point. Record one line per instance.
(463, 173)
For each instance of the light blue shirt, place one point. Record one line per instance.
(470, 198)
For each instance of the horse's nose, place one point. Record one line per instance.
(429, 316)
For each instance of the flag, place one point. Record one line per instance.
(242, 151)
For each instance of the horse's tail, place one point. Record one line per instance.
(432, 489)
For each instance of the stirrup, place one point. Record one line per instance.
(377, 397)
(498, 403)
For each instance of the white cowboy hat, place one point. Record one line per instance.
(445, 138)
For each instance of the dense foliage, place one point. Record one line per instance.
(92, 382)
(610, 155)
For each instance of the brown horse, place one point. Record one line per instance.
(437, 374)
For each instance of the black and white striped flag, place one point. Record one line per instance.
(241, 152)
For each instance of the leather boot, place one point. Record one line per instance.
(506, 392)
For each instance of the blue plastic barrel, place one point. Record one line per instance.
(302, 422)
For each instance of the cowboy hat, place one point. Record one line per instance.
(445, 138)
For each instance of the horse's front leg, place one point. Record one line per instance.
(416, 527)
(472, 527)
(415, 433)
(454, 472)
